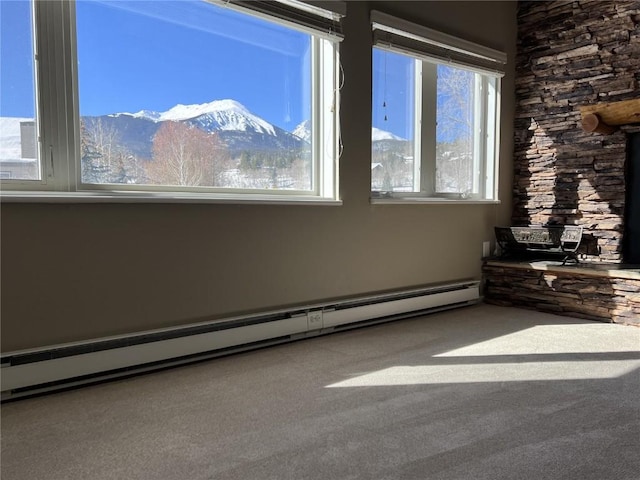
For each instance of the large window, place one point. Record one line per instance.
(435, 110)
(185, 97)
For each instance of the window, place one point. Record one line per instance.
(189, 97)
(435, 110)
(19, 156)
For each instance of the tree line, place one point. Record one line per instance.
(186, 156)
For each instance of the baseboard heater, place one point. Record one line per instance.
(30, 372)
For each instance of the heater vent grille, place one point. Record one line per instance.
(35, 371)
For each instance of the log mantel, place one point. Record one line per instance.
(603, 117)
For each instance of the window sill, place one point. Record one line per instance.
(152, 197)
(431, 201)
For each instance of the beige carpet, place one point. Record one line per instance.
(477, 393)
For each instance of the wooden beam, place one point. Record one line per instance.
(591, 122)
(614, 113)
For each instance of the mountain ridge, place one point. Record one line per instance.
(226, 114)
(237, 127)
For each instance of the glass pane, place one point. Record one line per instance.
(188, 94)
(18, 137)
(454, 131)
(393, 143)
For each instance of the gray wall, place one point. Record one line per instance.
(73, 272)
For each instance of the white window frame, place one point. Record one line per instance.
(430, 48)
(58, 117)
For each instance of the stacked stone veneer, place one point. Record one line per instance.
(570, 54)
(566, 293)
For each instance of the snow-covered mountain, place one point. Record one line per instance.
(303, 131)
(237, 127)
(378, 135)
(217, 115)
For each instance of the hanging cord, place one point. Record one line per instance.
(335, 111)
(335, 97)
(384, 94)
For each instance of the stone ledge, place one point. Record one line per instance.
(608, 293)
(600, 269)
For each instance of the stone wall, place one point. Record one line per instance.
(569, 292)
(573, 53)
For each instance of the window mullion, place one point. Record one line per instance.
(53, 26)
(482, 176)
(418, 170)
(492, 137)
(479, 143)
(428, 141)
(329, 168)
(324, 116)
(72, 105)
(316, 126)
(321, 126)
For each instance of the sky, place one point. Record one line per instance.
(152, 55)
(393, 96)
(17, 98)
(135, 55)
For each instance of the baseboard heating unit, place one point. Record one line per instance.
(34, 371)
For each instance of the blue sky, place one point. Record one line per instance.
(16, 69)
(135, 55)
(152, 55)
(393, 98)
(393, 93)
